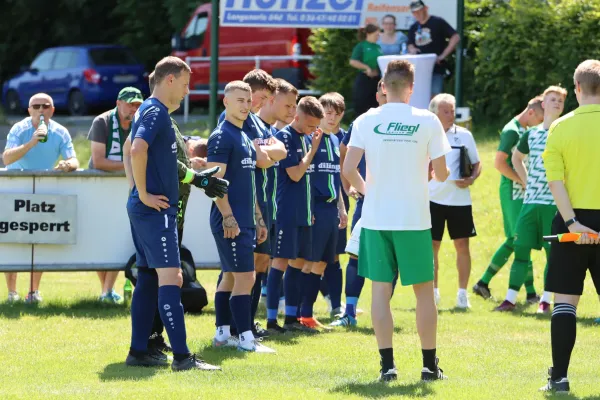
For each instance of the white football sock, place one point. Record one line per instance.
(511, 296)
(462, 291)
(546, 297)
(246, 339)
(223, 333)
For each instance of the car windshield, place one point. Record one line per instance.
(112, 56)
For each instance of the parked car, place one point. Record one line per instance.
(195, 39)
(77, 77)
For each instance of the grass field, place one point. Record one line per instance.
(72, 348)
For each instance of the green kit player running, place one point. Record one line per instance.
(511, 193)
(539, 208)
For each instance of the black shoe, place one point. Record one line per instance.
(258, 331)
(533, 298)
(157, 342)
(556, 386)
(193, 363)
(481, 289)
(146, 360)
(274, 329)
(154, 352)
(429, 375)
(388, 376)
(298, 327)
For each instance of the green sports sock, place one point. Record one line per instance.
(529, 288)
(498, 260)
(519, 270)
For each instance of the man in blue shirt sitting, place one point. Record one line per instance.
(293, 236)
(34, 146)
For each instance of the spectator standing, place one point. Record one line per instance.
(429, 35)
(391, 42)
(364, 58)
(107, 135)
(34, 146)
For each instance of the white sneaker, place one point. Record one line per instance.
(13, 297)
(462, 301)
(34, 297)
(231, 341)
(256, 347)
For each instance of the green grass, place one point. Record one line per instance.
(70, 348)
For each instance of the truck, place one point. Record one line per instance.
(195, 41)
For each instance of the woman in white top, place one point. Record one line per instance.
(391, 41)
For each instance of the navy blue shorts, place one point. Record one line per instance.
(357, 212)
(325, 232)
(293, 242)
(264, 247)
(237, 255)
(155, 239)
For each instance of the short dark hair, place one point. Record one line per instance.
(285, 87)
(399, 75)
(333, 100)
(536, 103)
(311, 106)
(260, 80)
(169, 66)
(389, 16)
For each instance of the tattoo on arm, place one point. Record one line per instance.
(229, 222)
(260, 222)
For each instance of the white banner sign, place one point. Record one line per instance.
(348, 14)
(38, 218)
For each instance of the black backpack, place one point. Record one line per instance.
(193, 295)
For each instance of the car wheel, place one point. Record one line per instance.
(12, 103)
(77, 104)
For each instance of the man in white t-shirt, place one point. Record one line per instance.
(450, 201)
(398, 141)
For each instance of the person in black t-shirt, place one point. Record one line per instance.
(429, 35)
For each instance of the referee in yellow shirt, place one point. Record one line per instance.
(572, 162)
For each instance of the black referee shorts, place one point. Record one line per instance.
(459, 219)
(569, 262)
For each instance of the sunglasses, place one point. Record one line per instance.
(37, 106)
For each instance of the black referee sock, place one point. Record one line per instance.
(429, 359)
(563, 330)
(387, 359)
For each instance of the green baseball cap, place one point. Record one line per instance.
(130, 95)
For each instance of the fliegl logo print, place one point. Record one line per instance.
(396, 129)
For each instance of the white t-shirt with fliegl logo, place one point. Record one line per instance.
(398, 140)
(447, 193)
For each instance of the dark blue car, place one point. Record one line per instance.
(77, 77)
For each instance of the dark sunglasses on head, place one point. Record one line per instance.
(37, 106)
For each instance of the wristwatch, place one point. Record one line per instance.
(571, 221)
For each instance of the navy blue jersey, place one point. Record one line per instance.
(326, 179)
(259, 129)
(293, 198)
(152, 123)
(362, 165)
(230, 145)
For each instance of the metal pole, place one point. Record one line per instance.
(186, 101)
(214, 65)
(460, 18)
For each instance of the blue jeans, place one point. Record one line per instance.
(437, 84)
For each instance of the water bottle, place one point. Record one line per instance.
(127, 291)
(42, 123)
(404, 49)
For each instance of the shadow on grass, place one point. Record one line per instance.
(121, 372)
(376, 390)
(368, 331)
(85, 308)
(586, 321)
(562, 396)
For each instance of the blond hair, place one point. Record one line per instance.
(561, 91)
(588, 76)
(237, 85)
(399, 75)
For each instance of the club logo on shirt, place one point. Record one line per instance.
(397, 129)
(310, 169)
(329, 168)
(174, 147)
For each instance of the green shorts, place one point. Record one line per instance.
(510, 208)
(383, 253)
(535, 221)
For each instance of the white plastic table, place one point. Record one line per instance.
(424, 64)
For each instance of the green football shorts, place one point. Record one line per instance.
(510, 208)
(383, 253)
(535, 222)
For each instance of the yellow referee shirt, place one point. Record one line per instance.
(572, 155)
